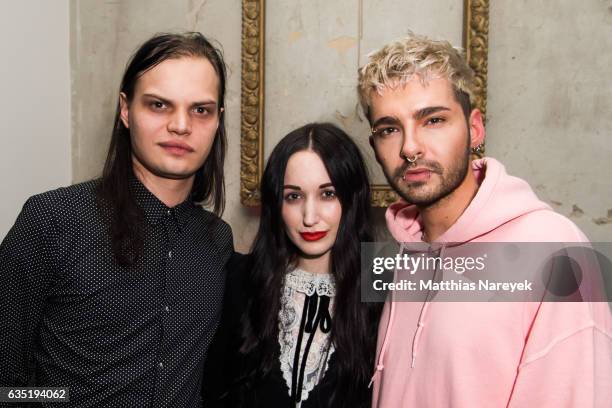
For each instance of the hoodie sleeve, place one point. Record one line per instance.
(567, 360)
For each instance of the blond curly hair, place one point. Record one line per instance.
(400, 61)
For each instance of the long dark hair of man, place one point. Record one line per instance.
(113, 192)
(354, 323)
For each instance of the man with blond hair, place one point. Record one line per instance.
(417, 95)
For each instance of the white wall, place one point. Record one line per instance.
(34, 102)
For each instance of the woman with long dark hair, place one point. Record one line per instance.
(295, 332)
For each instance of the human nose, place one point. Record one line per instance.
(180, 122)
(311, 212)
(412, 146)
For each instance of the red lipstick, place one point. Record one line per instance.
(313, 236)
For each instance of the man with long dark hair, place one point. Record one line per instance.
(113, 287)
(416, 94)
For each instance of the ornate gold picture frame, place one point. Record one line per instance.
(475, 41)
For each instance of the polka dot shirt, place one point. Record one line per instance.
(71, 317)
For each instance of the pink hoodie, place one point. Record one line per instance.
(443, 354)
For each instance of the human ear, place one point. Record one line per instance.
(124, 110)
(477, 129)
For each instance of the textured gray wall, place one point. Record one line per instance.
(550, 103)
(333, 39)
(549, 83)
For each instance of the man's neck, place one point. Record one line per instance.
(440, 216)
(171, 192)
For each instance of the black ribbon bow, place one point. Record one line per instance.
(314, 314)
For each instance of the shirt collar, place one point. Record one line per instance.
(155, 210)
(323, 284)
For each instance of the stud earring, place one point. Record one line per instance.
(478, 149)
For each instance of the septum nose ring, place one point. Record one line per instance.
(412, 159)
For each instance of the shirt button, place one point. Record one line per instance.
(161, 365)
(168, 212)
(169, 254)
(167, 308)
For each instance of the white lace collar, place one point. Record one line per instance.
(298, 285)
(322, 284)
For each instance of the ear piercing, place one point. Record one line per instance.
(478, 149)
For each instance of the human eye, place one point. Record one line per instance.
(292, 196)
(385, 131)
(157, 105)
(328, 194)
(434, 121)
(201, 110)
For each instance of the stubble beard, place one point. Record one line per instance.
(421, 193)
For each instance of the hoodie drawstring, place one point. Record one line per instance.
(417, 335)
(420, 324)
(422, 315)
(380, 366)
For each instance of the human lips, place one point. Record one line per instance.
(313, 236)
(418, 174)
(176, 147)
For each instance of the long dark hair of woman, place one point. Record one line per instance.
(113, 192)
(354, 323)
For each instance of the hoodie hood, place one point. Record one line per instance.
(500, 198)
(504, 209)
